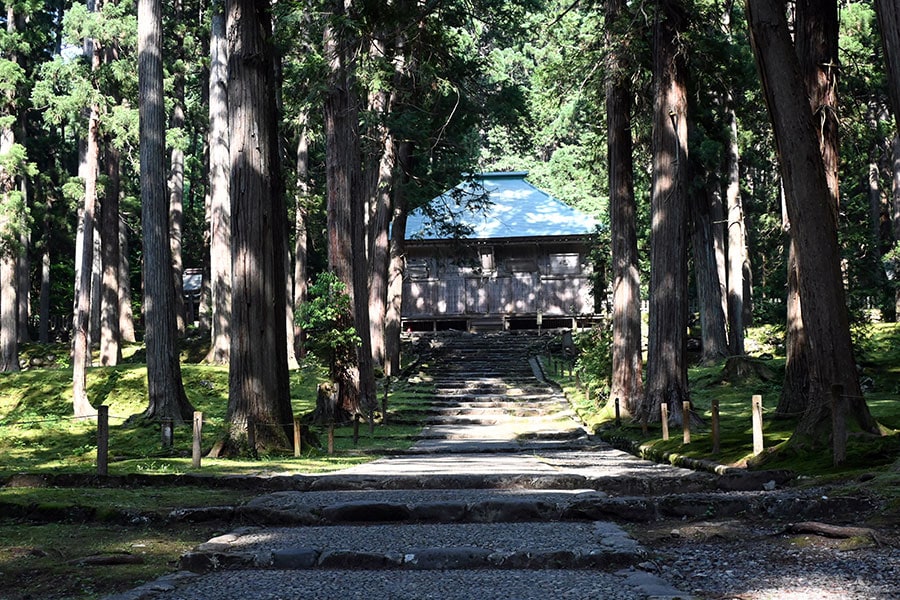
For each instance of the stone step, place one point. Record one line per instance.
(494, 416)
(490, 401)
(523, 545)
(502, 431)
(460, 505)
(493, 390)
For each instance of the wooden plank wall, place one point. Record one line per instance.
(436, 286)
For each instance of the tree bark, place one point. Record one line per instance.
(219, 199)
(706, 271)
(23, 265)
(44, 327)
(9, 250)
(397, 266)
(666, 360)
(346, 248)
(815, 40)
(626, 383)
(379, 248)
(889, 23)
(794, 396)
(9, 344)
(895, 215)
(813, 224)
(737, 247)
(110, 349)
(260, 417)
(126, 313)
(301, 275)
(81, 351)
(167, 399)
(176, 177)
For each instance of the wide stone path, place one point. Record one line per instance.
(503, 496)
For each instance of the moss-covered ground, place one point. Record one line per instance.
(46, 533)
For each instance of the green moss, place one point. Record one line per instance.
(880, 354)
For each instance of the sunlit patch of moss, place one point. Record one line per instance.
(880, 358)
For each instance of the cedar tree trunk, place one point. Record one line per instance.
(813, 226)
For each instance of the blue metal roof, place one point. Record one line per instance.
(514, 208)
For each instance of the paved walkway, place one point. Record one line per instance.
(503, 496)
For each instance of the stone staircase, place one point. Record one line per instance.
(486, 392)
(502, 479)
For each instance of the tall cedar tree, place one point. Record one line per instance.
(813, 225)
(9, 346)
(626, 384)
(167, 397)
(259, 405)
(889, 23)
(345, 211)
(81, 340)
(816, 43)
(110, 330)
(176, 172)
(666, 360)
(219, 209)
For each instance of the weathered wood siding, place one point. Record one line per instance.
(498, 280)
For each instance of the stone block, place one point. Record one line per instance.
(295, 558)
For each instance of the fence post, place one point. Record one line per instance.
(838, 424)
(195, 448)
(618, 414)
(686, 421)
(331, 438)
(715, 425)
(102, 440)
(664, 416)
(756, 408)
(298, 430)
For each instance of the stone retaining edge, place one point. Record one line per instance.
(421, 559)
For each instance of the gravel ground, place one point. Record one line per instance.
(401, 538)
(737, 561)
(408, 585)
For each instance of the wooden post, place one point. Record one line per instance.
(664, 416)
(838, 424)
(686, 421)
(198, 429)
(102, 440)
(715, 425)
(331, 438)
(166, 431)
(356, 429)
(618, 414)
(298, 431)
(756, 407)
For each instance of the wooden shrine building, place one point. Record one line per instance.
(517, 261)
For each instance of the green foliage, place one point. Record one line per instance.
(595, 357)
(11, 76)
(328, 320)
